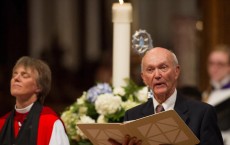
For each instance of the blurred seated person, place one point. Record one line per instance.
(29, 122)
(218, 91)
(160, 72)
(191, 92)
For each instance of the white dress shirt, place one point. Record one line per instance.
(168, 104)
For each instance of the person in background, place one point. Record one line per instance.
(190, 91)
(31, 123)
(160, 72)
(218, 90)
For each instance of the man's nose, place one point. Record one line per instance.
(157, 74)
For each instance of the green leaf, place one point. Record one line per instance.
(91, 110)
(116, 117)
(84, 142)
(130, 90)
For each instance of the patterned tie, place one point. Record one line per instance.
(159, 108)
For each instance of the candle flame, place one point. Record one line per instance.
(121, 2)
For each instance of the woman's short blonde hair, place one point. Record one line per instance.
(44, 74)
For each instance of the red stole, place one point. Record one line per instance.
(46, 122)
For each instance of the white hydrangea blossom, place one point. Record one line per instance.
(69, 117)
(119, 91)
(82, 99)
(101, 119)
(82, 110)
(142, 94)
(129, 104)
(86, 119)
(108, 104)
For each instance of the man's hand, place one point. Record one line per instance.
(127, 141)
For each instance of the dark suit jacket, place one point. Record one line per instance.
(200, 117)
(223, 115)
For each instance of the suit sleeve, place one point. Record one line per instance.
(210, 133)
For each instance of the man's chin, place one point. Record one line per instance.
(160, 92)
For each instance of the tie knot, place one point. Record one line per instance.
(159, 108)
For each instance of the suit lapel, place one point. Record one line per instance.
(148, 109)
(181, 107)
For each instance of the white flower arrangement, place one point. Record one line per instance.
(101, 104)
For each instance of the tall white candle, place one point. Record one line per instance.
(122, 18)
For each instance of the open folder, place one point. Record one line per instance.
(165, 128)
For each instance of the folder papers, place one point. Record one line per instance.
(162, 128)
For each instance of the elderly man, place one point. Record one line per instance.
(160, 72)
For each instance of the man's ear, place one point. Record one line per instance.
(38, 90)
(177, 71)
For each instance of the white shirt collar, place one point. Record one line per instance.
(219, 85)
(168, 104)
(24, 110)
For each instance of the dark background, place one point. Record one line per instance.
(68, 85)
